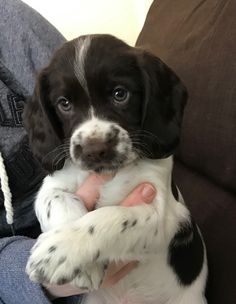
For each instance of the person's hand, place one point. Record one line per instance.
(114, 273)
(89, 193)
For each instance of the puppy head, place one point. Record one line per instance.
(103, 103)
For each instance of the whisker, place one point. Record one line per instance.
(145, 133)
(136, 142)
(141, 154)
(59, 158)
(63, 147)
(144, 147)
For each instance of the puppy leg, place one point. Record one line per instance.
(57, 207)
(56, 203)
(106, 234)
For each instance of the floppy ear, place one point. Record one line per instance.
(42, 125)
(165, 97)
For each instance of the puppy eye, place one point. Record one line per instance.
(120, 95)
(64, 104)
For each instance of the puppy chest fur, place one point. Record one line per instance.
(153, 235)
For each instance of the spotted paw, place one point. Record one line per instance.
(65, 256)
(91, 278)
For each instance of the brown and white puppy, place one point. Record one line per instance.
(102, 105)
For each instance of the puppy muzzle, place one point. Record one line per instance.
(100, 145)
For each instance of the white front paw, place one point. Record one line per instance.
(65, 256)
(58, 208)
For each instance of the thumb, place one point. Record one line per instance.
(144, 193)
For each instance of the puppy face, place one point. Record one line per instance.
(103, 103)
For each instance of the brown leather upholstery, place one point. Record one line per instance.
(197, 39)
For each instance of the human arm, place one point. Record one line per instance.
(15, 286)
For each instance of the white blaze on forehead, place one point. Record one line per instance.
(91, 112)
(81, 49)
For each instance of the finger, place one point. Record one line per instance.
(112, 279)
(58, 291)
(114, 267)
(88, 192)
(144, 193)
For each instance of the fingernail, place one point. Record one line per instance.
(148, 192)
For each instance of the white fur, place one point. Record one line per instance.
(81, 49)
(153, 281)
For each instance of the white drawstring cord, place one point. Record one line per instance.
(6, 193)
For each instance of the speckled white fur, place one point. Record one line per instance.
(153, 281)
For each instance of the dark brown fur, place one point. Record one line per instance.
(153, 114)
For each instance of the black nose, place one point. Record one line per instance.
(96, 151)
